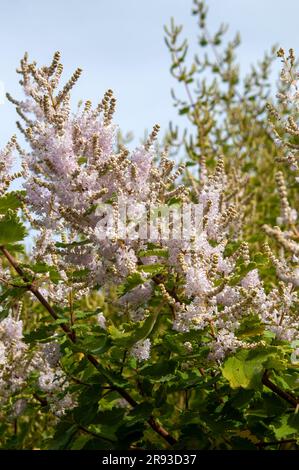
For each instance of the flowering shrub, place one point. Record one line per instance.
(143, 316)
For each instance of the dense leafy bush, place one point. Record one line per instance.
(157, 307)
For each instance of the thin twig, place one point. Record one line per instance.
(274, 443)
(281, 393)
(94, 434)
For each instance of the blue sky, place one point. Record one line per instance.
(119, 44)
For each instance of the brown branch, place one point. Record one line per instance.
(15, 426)
(160, 430)
(281, 393)
(41, 400)
(94, 434)
(151, 421)
(35, 291)
(274, 443)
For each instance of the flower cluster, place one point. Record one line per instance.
(53, 381)
(18, 363)
(74, 168)
(283, 119)
(15, 359)
(7, 161)
(283, 122)
(216, 302)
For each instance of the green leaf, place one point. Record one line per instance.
(289, 426)
(43, 268)
(15, 248)
(184, 110)
(98, 444)
(128, 339)
(159, 372)
(260, 258)
(240, 443)
(251, 326)
(11, 229)
(42, 333)
(242, 398)
(80, 441)
(268, 405)
(154, 252)
(11, 201)
(85, 414)
(81, 315)
(96, 344)
(109, 417)
(141, 413)
(64, 434)
(231, 247)
(10, 296)
(241, 272)
(246, 368)
(72, 244)
(82, 160)
(39, 267)
(79, 274)
(152, 269)
(129, 433)
(133, 280)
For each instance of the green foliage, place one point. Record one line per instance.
(246, 368)
(11, 228)
(11, 201)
